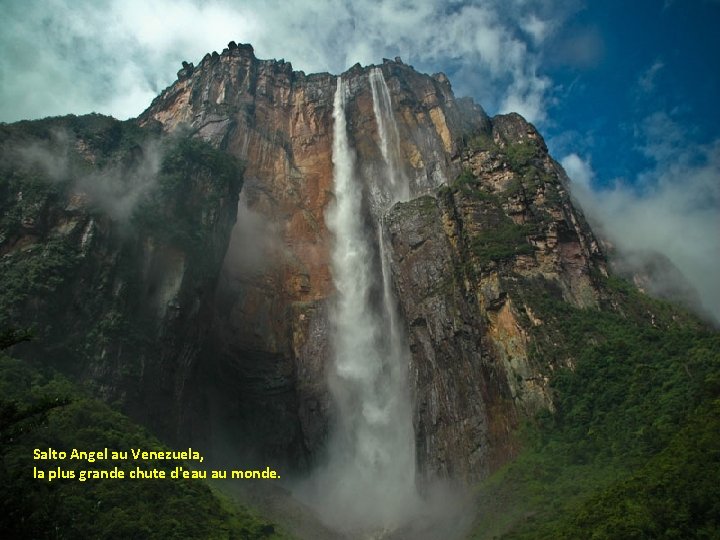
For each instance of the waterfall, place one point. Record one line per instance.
(399, 191)
(368, 483)
(389, 136)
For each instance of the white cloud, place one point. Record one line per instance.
(647, 79)
(672, 208)
(537, 28)
(113, 56)
(579, 47)
(578, 169)
(663, 140)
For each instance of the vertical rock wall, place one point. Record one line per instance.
(473, 376)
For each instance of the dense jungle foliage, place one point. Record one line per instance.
(41, 409)
(633, 449)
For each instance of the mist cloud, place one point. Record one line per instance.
(50, 156)
(116, 188)
(673, 208)
(256, 244)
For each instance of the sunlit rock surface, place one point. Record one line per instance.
(244, 345)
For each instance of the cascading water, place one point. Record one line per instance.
(368, 484)
(399, 190)
(389, 137)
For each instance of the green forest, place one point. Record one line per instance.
(633, 448)
(41, 409)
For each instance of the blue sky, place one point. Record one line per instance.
(623, 91)
(646, 57)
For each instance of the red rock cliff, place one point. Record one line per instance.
(472, 376)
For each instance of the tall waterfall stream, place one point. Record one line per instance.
(368, 483)
(366, 488)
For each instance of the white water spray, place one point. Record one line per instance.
(368, 484)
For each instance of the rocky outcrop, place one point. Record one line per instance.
(458, 259)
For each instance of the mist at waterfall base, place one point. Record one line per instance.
(367, 485)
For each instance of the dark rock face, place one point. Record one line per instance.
(236, 349)
(448, 376)
(118, 288)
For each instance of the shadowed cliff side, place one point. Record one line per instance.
(458, 257)
(112, 238)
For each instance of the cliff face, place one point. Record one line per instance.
(459, 260)
(111, 241)
(220, 337)
(272, 326)
(456, 253)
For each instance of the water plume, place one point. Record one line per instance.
(368, 484)
(389, 137)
